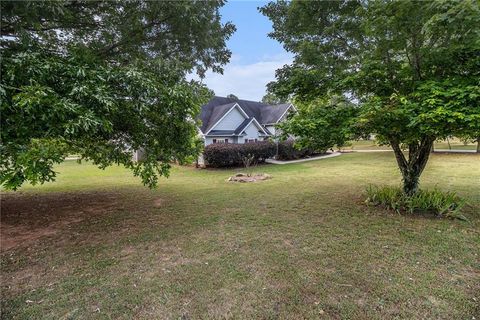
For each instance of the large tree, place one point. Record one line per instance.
(102, 78)
(412, 66)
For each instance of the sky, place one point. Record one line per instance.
(255, 56)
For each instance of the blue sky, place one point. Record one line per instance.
(255, 57)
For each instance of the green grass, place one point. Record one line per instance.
(455, 144)
(301, 245)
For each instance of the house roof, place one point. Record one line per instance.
(217, 107)
(211, 114)
(243, 125)
(222, 133)
(272, 114)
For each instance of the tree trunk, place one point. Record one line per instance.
(478, 145)
(412, 168)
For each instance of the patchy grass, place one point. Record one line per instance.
(95, 244)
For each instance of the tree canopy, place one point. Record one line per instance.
(232, 96)
(321, 124)
(412, 66)
(101, 79)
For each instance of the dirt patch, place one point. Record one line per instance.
(157, 203)
(242, 177)
(25, 218)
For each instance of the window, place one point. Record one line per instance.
(226, 140)
(250, 140)
(219, 140)
(214, 140)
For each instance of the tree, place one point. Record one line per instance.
(413, 67)
(271, 99)
(471, 136)
(101, 79)
(232, 96)
(321, 124)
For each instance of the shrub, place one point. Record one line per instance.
(287, 151)
(445, 204)
(232, 154)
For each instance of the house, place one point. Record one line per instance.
(228, 120)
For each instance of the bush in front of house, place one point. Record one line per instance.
(233, 155)
(288, 151)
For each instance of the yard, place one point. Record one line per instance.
(96, 244)
(453, 143)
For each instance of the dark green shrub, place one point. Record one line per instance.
(233, 155)
(288, 151)
(445, 204)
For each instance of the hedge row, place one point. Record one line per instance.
(233, 155)
(287, 151)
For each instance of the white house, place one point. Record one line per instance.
(227, 120)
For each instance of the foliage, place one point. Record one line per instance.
(444, 204)
(123, 31)
(101, 79)
(271, 99)
(288, 150)
(232, 96)
(413, 67)
(321, 124)
(471, 137)
(234, 154)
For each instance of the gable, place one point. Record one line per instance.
(289, 110)
(230, 121)
(210, 115)
(251, 130)
(217, 108)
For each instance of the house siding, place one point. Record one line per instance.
(251, 133)
(232, 120)
(209, 140)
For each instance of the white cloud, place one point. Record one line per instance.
(246, 81)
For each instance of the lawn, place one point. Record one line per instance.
(96, 244)
(455, 144)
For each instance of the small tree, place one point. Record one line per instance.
(248, 160)
(471, 137)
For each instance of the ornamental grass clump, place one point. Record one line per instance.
(444, 204)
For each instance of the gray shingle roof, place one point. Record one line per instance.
(222, 133)
(243, 125)
(218, 106)
(211, 113)
(271, 114)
